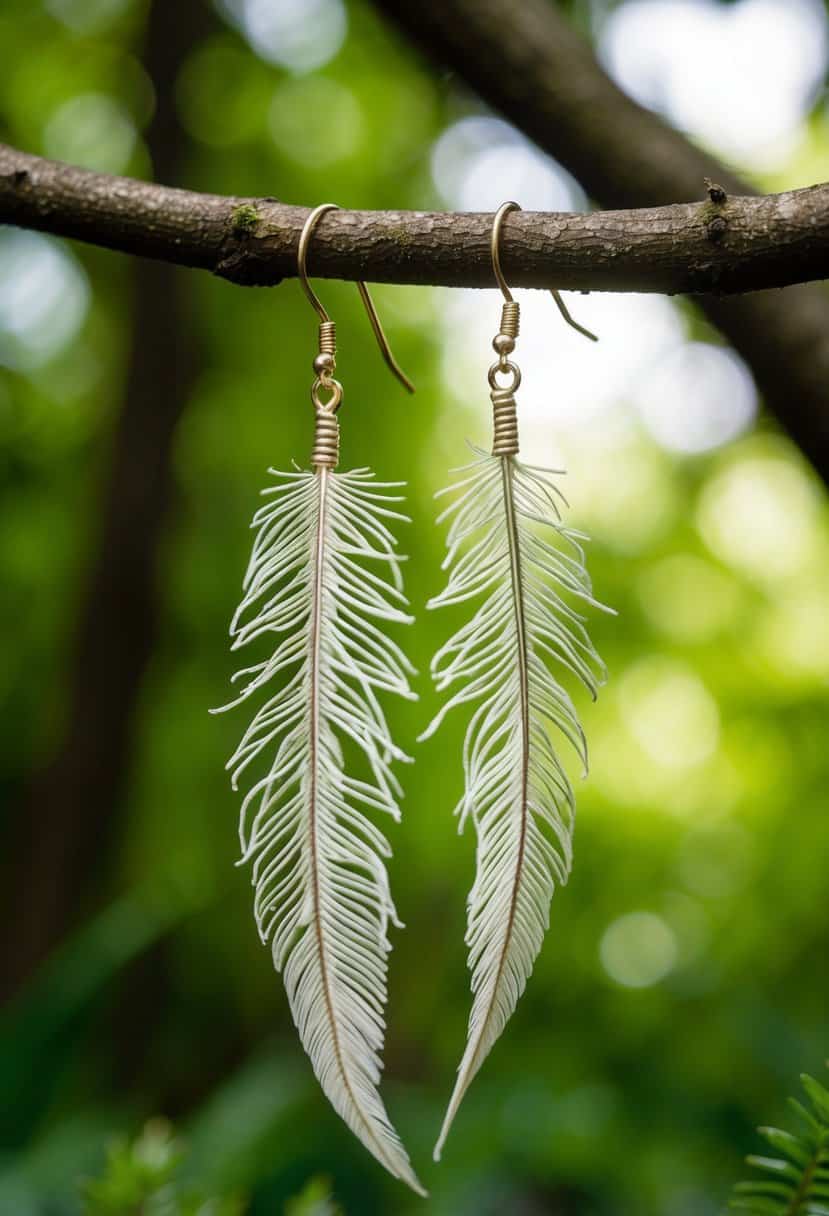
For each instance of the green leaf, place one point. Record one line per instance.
(796, 1184)
(819, 1097)
(140, 1176)
(314, 1200)
(789, 1145)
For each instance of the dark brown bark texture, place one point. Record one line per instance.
(533, 68)
(740, 244)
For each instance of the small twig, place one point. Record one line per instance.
(715, 192)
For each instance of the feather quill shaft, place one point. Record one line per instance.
(516, 789)
(321, 888)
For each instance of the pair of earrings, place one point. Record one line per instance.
(324, 578)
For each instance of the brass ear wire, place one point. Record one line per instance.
(325, 361)
(495, 248)
(504, 412)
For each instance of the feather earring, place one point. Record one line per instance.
(324, 579)
(507, 543)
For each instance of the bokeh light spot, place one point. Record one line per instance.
(621, 490)
(92, 130)
(301, 35)
(669, 712)
(638, 950)
(473, 158)
(687, 598)
(697, 397)
(794, 634)
(315, 121)
(568, 383)
(222, 93)
(44, 296)
(761, 515)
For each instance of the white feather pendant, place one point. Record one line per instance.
(507, 542)
(323, 578)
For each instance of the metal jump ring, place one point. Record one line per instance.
(333, 404)
(504, 368)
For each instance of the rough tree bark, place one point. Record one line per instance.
(69, 817)
(724, 245)
(533, 68)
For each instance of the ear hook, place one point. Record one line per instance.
(302, 274)
(495, 247)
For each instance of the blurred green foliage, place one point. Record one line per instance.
(140, 1177)
(683, 982)
(315, 1200)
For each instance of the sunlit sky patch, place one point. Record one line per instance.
(476, 159)
(696, 396)
(568, 383)
(44, 297)
(740, 76)
(301, 35)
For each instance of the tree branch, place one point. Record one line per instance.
(543, 77)
(735, 245)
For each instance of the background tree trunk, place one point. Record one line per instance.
(70, 815)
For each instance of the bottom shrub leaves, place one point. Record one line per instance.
(796, 1183)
